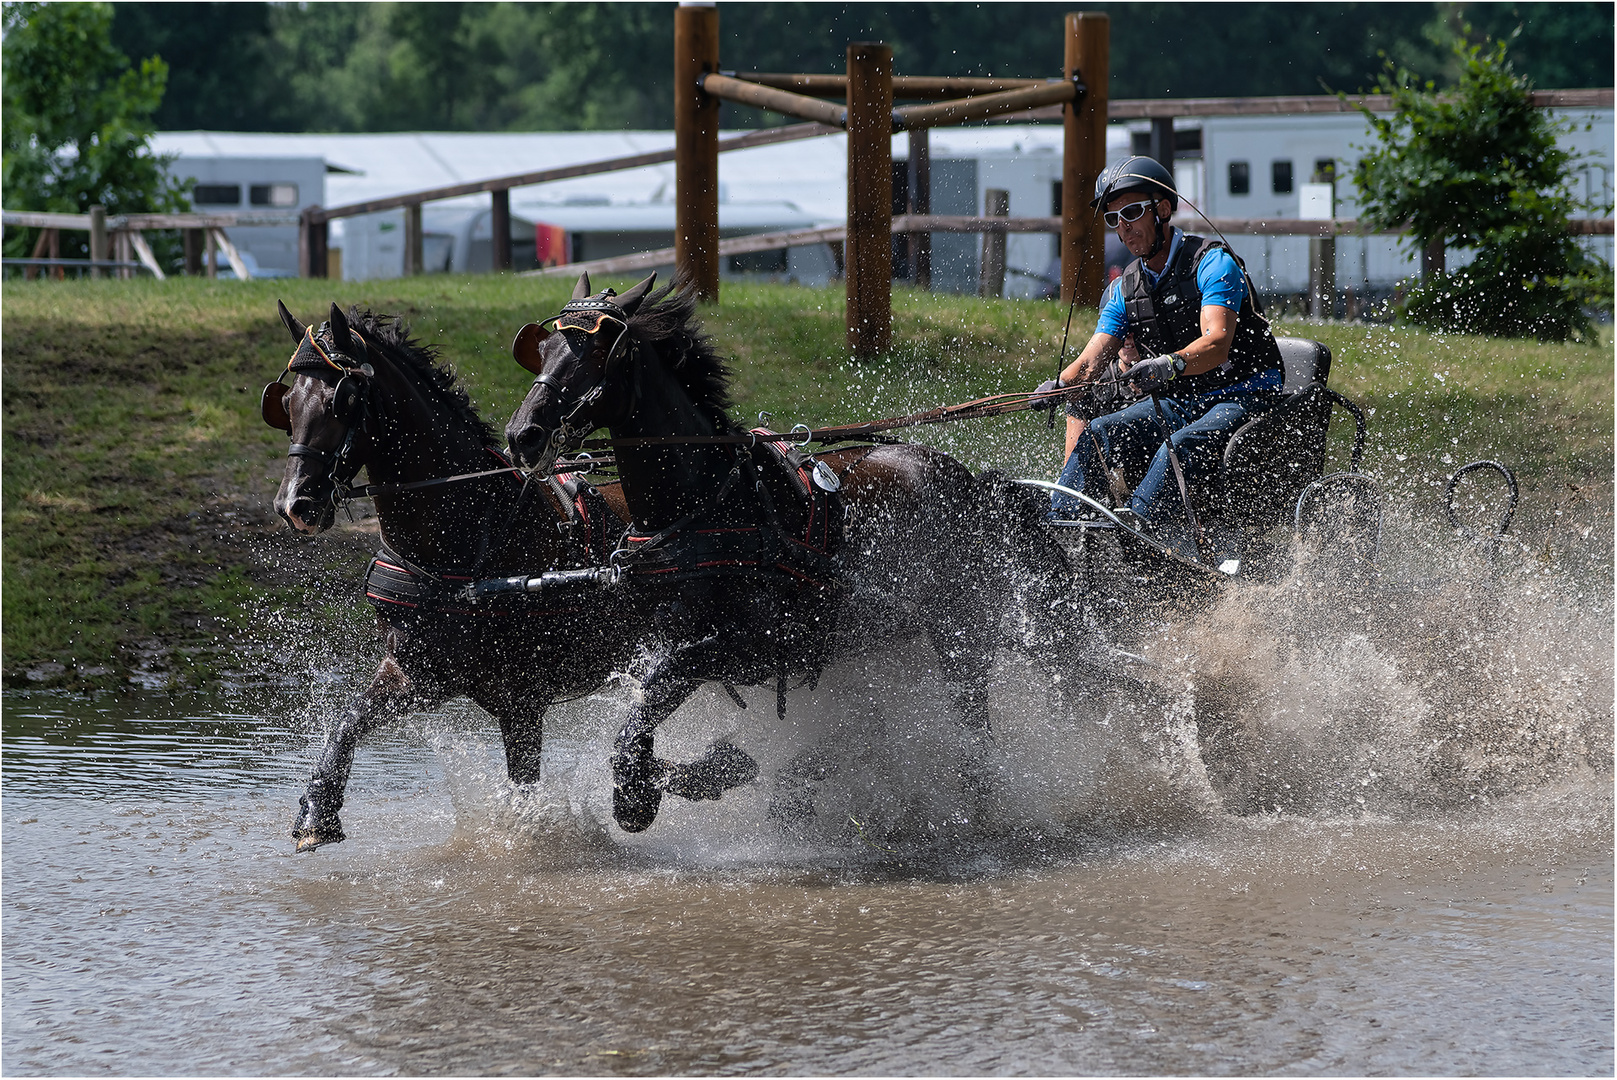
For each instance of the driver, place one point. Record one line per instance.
(1210, 362)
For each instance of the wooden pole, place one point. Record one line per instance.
(313, 239)
(920, 202)
(1322, 277)
(696, 149)
(500, 223)
(40, 246)
(412, 240)
(869, 252)
(1433, 260)
(1162, 141)
(1322, 258)
(1083, 239)
(192, 241)
(98, 237)
(991, 275)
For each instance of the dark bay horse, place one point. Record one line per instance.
(366, 396)
(924, 545)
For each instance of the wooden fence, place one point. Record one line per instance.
(118, 244)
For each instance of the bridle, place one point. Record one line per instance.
(350, 404)
(587, 315)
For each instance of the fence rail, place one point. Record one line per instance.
(27, 219)
(79, 264)
(962, 223)
(993, 94)
(1162, 109)
(125, 234)
(765, 137)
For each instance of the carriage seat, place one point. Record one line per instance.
(1269, 460)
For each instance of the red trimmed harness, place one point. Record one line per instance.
(803, 553)
(394, 585)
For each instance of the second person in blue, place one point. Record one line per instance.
(1209, 361)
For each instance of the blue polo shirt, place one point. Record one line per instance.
(1218, 277)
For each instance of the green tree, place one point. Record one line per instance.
(563, 66)
(1479, 167)
(219, 63)
(77, 118)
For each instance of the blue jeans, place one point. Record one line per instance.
(1133, 437)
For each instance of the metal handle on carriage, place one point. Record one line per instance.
(1512, 490)
(1360, 426)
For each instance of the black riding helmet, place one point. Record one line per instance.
(1136, 174)
(1146, 175)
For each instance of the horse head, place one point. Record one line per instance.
(578, 357)
(323, 411)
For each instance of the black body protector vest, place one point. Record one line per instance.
(1168, 317)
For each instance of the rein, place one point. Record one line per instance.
(993, 405)
(579, 466)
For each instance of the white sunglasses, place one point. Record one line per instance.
(1131, 212)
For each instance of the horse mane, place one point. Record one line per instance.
(391, 335)
(666, 322)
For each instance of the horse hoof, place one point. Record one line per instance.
(308, 841)
(312, 829)
(636, 794)
(723, 767)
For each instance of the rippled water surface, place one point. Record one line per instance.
(1316, 848)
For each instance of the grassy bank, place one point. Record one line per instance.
(138, 540)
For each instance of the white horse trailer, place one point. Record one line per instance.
(1256, 167)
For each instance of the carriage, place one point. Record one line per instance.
(1272, 488)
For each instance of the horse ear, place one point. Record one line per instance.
(630, 300)
(296, 328)
(525, 349)
(341, 336)
(582, 289)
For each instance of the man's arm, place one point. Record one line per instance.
(1096, 355)
(1213, 347)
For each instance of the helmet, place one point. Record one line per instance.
(1136, 174)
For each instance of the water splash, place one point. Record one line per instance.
(1462, 680)
(1404, 696)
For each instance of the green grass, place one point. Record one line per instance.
(138, 473)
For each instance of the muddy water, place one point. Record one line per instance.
(1332, 839)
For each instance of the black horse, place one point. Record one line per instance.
(372, 398)
(755, 573)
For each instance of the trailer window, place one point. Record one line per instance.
(217, 194)
(274, 195)
(1280, 174)
(1240, 178)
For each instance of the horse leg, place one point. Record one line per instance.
(638, 777)
(521, 717)
(391, 693)
(964, 633)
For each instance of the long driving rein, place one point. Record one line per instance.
(351, 402)
(588, 314)
(993, 405)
